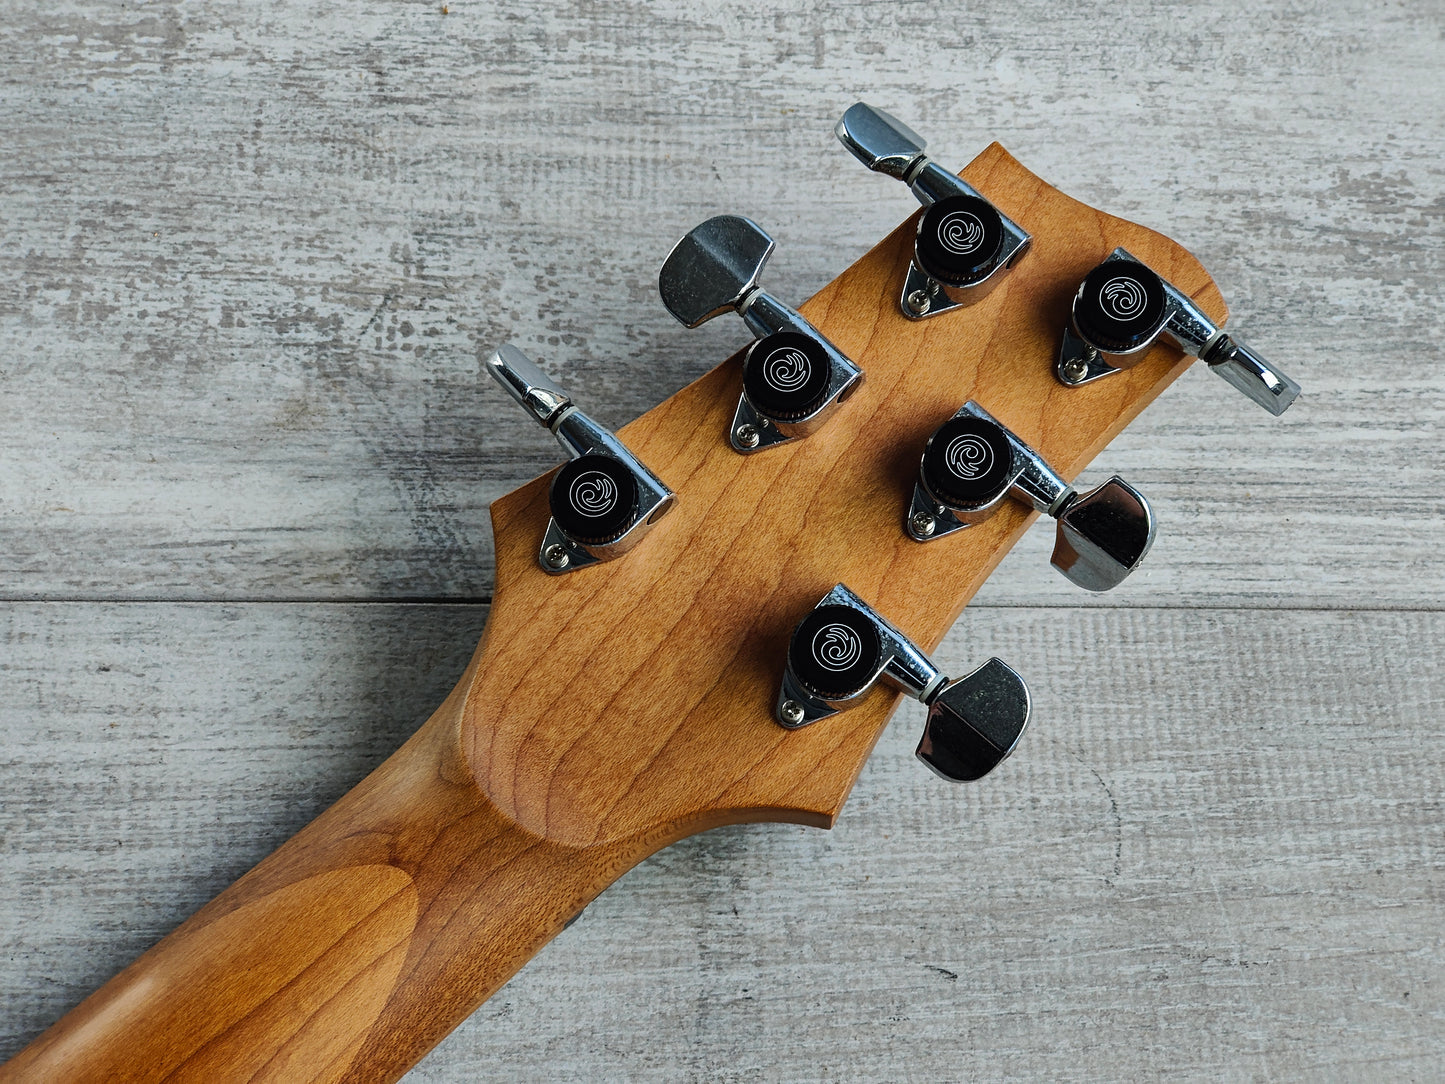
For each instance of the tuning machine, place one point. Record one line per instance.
(972, 462)
(964, 244)
(603, 499)
(843, 646)
(1122, 307)
(793, 377)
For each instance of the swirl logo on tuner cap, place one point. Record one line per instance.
(836, 647)
(593, 494)
(1122, 297)
(787, 368)
(968, 456)
(961, 233)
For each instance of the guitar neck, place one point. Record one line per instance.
(351, 951)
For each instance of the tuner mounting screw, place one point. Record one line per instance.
(1074, 370)
(556, 557)
(792, 712)
(922, 524)
(748, 435)
(918, 302)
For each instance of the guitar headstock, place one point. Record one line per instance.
(635, 698)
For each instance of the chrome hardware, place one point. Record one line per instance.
(843, 646)
(1123, 307)
(793, 377)
(972, 462)
(606, 496)
(963, 247)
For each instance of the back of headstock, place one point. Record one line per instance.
(630, 687)
(634, 699)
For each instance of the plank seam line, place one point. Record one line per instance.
(481, 601)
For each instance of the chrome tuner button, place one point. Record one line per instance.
(1103, 535)
(975, 723)
(793, 377)
(842, 647)
(964, 245)
(1122, 308)
(972, 463)
(603, 500)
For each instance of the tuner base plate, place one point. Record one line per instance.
(917, 283)
(1074, 352)
(944, 521)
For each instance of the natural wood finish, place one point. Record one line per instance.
(616, 710)
(675, 651)
(349, 952)
(1175, 871)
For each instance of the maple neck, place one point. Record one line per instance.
(351, 951)
(615, 710)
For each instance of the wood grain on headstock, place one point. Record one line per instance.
(610, 712)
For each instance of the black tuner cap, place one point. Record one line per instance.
(786, 375)
(836, 652)
(594, 499)
(974, 724)
(967, 462)
(1119, 306)
(958, 240)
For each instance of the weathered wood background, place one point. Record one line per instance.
(248, 257)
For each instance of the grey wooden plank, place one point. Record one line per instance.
(249, 257)
(152, 754)
(1217, 854)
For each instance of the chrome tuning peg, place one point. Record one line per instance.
(971, 463)
(603, 500)
(844, 646)
(793, 378)
(1122, 307)
(964, 244)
